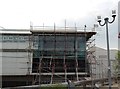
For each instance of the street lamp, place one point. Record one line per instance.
(107, 37)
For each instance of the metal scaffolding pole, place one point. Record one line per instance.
(51, 80)
(65, 67)
(76, 54)
(86, 63)
(53, 65)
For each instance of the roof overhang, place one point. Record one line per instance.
(15, 31)
(72, 32)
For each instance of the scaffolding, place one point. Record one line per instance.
(91, 57)
(48, 63)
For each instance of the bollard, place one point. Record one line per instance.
(70, 85)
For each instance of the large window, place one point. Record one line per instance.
(58, 47)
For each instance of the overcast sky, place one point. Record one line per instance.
(18, 14)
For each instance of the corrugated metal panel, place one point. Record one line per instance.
(14, 63)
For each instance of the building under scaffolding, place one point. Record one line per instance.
(44, 55)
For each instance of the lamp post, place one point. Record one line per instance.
(107, 37)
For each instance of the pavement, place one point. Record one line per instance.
(114, 86)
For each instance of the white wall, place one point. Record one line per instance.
(102, 62)
(15, 63)
(15, 45)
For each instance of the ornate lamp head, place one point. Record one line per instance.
(113, 13)
(99, 18)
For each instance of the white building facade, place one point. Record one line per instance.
(18, 49)
(100, 66)
(14, 52)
